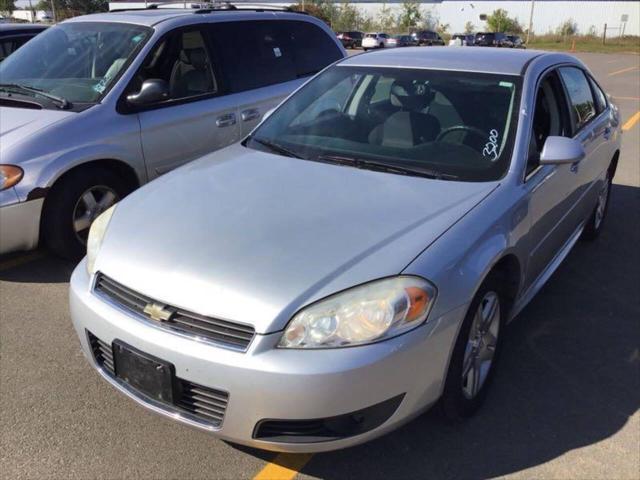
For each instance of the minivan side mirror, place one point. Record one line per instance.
(561, 150)
(152, 90)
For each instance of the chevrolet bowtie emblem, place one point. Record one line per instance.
(158, 312)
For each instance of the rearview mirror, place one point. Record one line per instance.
(152, 91)
(561, 150)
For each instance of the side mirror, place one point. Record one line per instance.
(152, 91)
(561, 150)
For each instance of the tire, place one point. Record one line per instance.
(65, 200)
(381, 45)
(365, 49)
(458, 400)
(596, 220)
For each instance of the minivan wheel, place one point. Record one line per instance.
(594, 224)
(475, 353)
(73, 204)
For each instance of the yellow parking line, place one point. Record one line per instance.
(284, 467)
(16, 262)
(628, 125)
(624, 70)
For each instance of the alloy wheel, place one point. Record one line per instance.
(91, 203)
(481, 345)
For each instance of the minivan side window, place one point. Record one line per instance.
(256, 54)
(180, 59)
(253, 54)
(580, 97)
(313, 49)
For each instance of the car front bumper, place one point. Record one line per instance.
(266, 383)
(19, 222)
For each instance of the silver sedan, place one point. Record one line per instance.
(357, 257)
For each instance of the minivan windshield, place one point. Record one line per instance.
(447, 124)
(77, 62)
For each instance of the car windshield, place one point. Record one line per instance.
(75, 61)
(452, 124)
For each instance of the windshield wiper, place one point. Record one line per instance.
(384, 167)
(275, 147)
(64, 103)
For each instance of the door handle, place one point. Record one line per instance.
(226, 120)
(251, 114)
(607, 133)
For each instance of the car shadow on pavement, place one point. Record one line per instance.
(35, 267)
(568, 376)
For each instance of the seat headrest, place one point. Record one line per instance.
(410, 96)
(196, 57)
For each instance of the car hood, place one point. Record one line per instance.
(251, 237)
(19, 124)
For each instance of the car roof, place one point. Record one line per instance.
(486, 60)
(151, 17)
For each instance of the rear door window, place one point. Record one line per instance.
(598, 96)
(253, 54)
(313, 49)
(582, 104)
(256, 54)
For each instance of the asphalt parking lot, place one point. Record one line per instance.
(565, 402)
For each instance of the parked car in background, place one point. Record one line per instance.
(462, 39)
(98, 105)
(428, 38)
(491, 39)
(14, 35)
(357, 258)
(516, 41)
(405, 41)
(375, 40)
(351, 39)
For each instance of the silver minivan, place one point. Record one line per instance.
(100, 104)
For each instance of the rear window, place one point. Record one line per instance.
(254, 54)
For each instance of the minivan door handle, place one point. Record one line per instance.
(251, 114)
(226, 120)
(607, 133)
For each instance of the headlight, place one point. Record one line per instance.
(364, 314)
(96, 234)
(10, 175)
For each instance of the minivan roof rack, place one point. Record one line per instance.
(215, 6)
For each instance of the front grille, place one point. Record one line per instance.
(207, 405)
(219, 331)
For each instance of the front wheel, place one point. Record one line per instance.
(73, 204)
(594, 224)
(475, 353)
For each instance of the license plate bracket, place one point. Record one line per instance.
(147, 374)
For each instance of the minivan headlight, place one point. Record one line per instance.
(10, 175)
(96, 234)
(361, 315)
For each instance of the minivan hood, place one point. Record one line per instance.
(251, 237)
(17, 124)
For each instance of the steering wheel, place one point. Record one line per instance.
(463, 128)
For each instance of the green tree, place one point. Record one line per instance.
(410, 15)
(347, 17)
(499, 21)
(469, 27)
(568, 27)
(386, 20)
(7, 6)
(430, 20)
(71, 8)
(317, 9)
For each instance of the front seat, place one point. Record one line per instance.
(190, 75)
(409, 126)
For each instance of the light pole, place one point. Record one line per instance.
(533, 3)
(53, 12)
